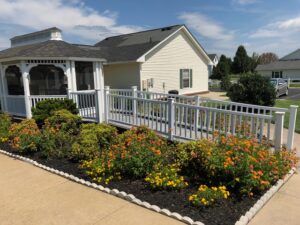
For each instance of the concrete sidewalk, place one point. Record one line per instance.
(32, 196)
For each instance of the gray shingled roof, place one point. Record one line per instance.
(122, 48)
(51, 49)
(130, 47)
(212, 56)
(280, 65)
(292, 56)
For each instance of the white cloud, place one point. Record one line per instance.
(206, 27)
(72, 16)
(281, 28)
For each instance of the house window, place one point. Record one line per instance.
(276, 74)
(186, 78)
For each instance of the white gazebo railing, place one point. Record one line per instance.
(34, 99)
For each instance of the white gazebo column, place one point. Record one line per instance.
(68, 73)
(3, 89)
(99, 87)
(73, 76)
(25, 77)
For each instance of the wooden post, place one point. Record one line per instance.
(171, 118)
(106, 103)
(134, 103)
(292, 124)
(278, 137)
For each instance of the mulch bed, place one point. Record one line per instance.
(225, 212)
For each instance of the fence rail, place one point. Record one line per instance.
(176, 116)
(34, 99)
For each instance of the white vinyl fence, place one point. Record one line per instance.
(175, 116)
(193, 117)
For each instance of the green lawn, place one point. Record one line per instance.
(286, 104)
(294, 85)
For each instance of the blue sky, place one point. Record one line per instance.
(219, 25)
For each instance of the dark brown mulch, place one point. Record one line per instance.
(225, 212)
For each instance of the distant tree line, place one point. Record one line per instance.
(241, 63)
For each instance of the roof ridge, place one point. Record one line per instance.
(142, 31)
(36, 32)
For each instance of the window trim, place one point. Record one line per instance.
(190, 78)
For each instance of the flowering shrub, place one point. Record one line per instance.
(5, 123)
(102, 168)
(92, 140)
(240, 163)
(207, 196)
(25, 136)
(137, 151)
(166, 177)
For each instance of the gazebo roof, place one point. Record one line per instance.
(50, 49)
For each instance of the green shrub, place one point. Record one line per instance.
(45, 108)
(137, 151)
(64, 120)
(166, 177)
(253, 89)
(59, 133)
(225, 83)
(5, 123)
(206, 196)
(25, 136)
(93, 138)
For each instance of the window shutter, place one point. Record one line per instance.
(191, 78)
(180, 78)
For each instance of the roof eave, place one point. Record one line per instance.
(53, 58)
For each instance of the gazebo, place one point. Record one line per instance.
(40, 66)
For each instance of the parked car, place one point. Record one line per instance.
(281, 86)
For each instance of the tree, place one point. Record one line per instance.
(253, 89)
(222, 69)
(225, 83)
(267, 57)
(241, 61)
(253, 61)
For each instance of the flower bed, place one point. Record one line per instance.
(212, 181)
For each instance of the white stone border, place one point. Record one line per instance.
(245, 219)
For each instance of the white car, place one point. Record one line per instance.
(281, 86)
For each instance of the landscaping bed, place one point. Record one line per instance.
(225, 212)
(214, 181)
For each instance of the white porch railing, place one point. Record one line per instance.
(34, 99)
(87, 103)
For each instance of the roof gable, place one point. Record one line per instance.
(292, 56)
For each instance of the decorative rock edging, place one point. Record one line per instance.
(245, 219)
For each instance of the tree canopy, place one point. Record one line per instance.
(241, 61)
(267, 57)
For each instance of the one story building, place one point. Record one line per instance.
(288, 67)
(42, 64)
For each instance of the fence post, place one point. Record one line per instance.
(106, 103)
(171, 118)
(292, 124)
(134, 103)
(279, 118)
(68, 93)
(98, 105)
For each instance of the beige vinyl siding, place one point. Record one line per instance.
(293, 74)
(165, 63)
(122, 75)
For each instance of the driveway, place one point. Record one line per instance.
(294, 94)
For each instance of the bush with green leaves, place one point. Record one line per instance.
(5, 123)
(92, 140)
(46, 108)
(225, 83)
(59, 133)
(253, 89)
(25, 136)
